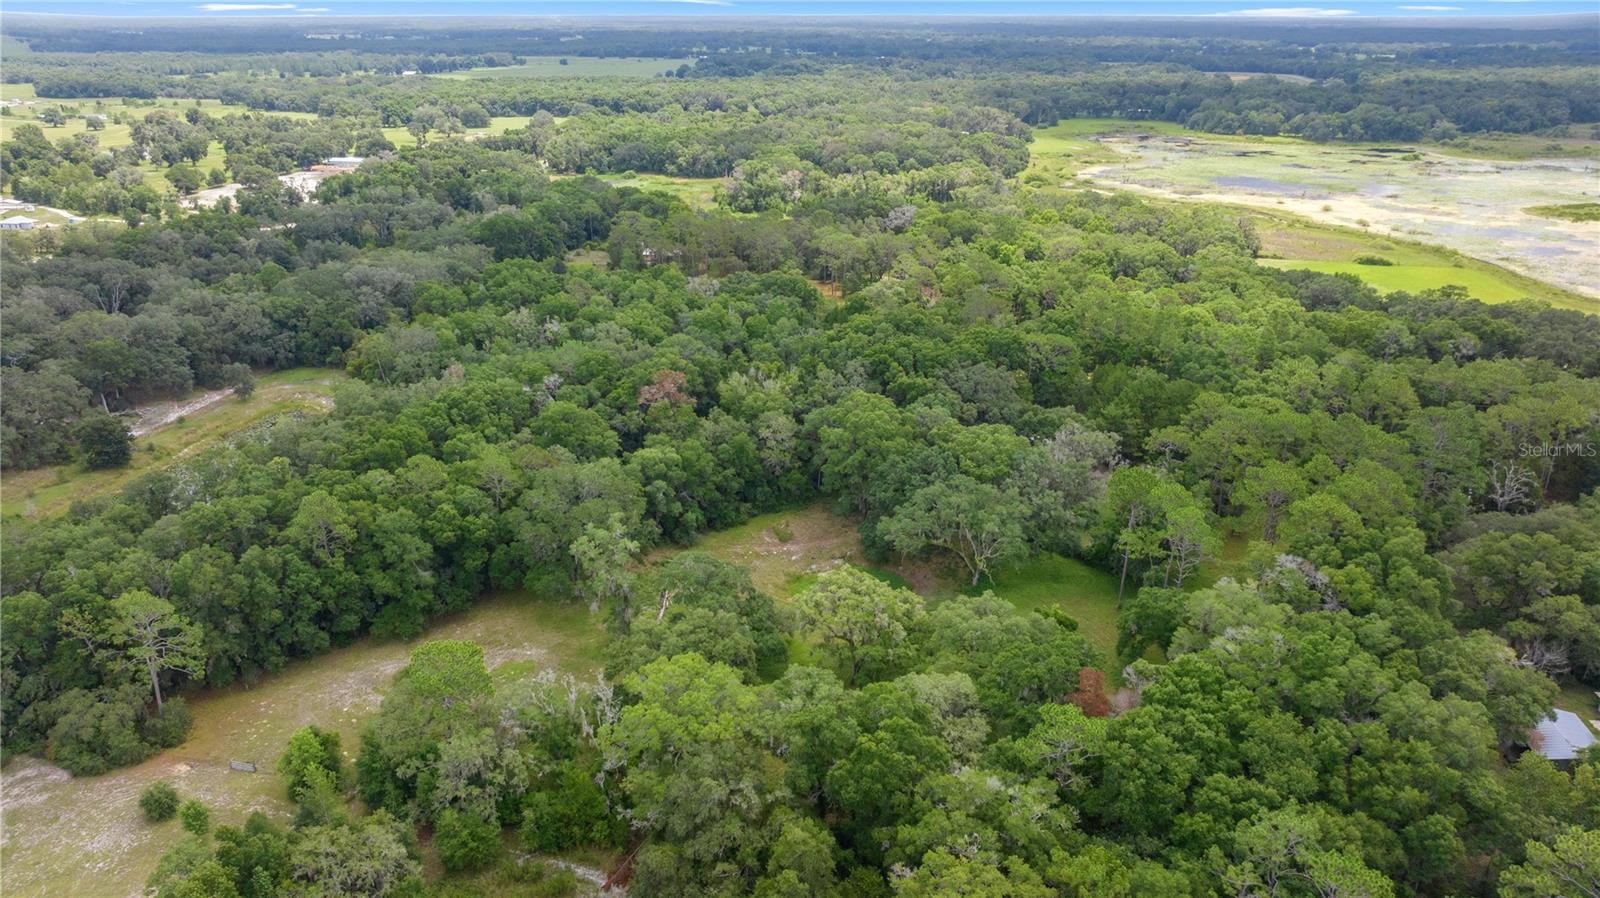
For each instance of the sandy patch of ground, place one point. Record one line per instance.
(148, 418)
(209, 197)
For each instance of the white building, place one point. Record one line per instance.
(1559, 737)
(17, 223)
(345, 161)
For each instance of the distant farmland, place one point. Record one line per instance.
(575, 67)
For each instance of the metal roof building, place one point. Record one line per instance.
(1560, 737)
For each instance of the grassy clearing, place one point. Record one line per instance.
(1229, 562)
(1414, 278)
(594, 258)
(575, 67)
(1291, 241)
(49, 219)
(114, 134)
(698, 193)
(10, 46)
(1281, 76)
(47, 491)
(1567, 211)
(1580, 700)
(786, 550)
(1067, 146)
(499, 124)
(1086, 594)
(1578, 141)
(86, 837)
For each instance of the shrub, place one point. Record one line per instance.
(195, 817)
(312, 754)
(91, 735)
(466, 841)
(569, 813)
(159, 801)
(104, 441)
(168, 728)
(557, 885)
(1372, 260)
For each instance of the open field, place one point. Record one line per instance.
(1576, 141)
(576, 67)
(698, 193)
(1580, 700)
(1281, 76)
(86, 837)
(114, 134)
(815, 540)
(1293, 241)
(1088, 595)
(1471, 206)
(205, 420)
(1060, 150)
(1413, 278)
(499, 124)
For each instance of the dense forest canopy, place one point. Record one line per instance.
(554, 376)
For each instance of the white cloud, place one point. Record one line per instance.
(1432, 8)
(242, 7)
(1289, 12)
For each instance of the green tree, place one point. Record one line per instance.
(151, 634)
(861, 622)
(1127, 513)
(445, 690)
(159, 801)
(313, 756)
(209, 879)
(1266, 492)
(466, 841)
(1567, 866)
(369, 859)
(195, 817)
(576, 428)
(854, 437)
(237, 375)
(604, 555)
(184, 178)
(104, 441)
(945, 875)
(978, 523)
(698, 774)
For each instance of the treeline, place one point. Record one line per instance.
(146, 74)
(1408, 104)
(1043, 44)
(880, 136)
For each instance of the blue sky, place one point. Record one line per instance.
(1327, 9)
